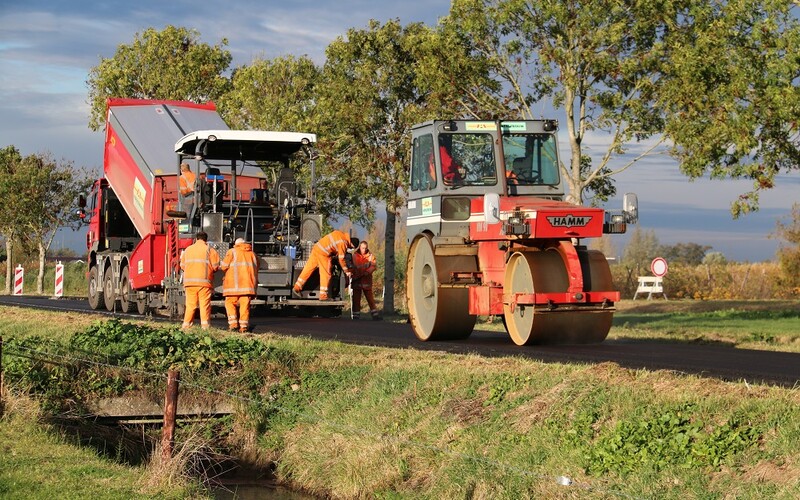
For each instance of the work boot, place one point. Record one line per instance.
(324, 296)
(355, 315)
(376, 316)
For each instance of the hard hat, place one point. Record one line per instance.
(238, 240)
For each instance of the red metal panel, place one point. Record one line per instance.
(479, 300)
(562, 298)
(95, 232)
(573, 264)
(548, 219)
(485, 300)
(575, 222)
(147, 262)
(491, 262)
(129, 184)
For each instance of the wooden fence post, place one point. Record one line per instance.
(170, 410)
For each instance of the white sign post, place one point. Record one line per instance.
(59, 281)
(653, 284)
(19, 279)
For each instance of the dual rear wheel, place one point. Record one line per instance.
(104, 295)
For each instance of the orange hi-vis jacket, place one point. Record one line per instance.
(187, 182)
(199, 261)
(364, 264)
(334, 243)
(241, 271)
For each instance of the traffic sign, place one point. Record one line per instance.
(659, 266)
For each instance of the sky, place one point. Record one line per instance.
(48, 47)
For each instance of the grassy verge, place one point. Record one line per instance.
(349, 421)
(36, 461)
(768, 325)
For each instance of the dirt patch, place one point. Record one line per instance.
(768, 472)
(465, 411)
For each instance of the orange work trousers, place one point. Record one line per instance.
(242, 303)
(197, 296)
(321, 261)
(367, 295)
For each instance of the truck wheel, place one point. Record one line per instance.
(437, 313)
(126, 305)
(529, 272)
(95, 289)
(141, 306)
(108, 290)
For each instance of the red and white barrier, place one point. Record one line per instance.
(59, 292)
(19, 276)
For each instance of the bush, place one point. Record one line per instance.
(723, 280)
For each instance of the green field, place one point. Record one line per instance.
(349, 421)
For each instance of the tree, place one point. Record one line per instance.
(715, 80)
(788, 253)
(685, 253)
(369, 96)
(276, 94)
(597, 59)
(641, 249)
(729, 94)
(715, 259)
(13, 209)
(53, 188)
(170, 64)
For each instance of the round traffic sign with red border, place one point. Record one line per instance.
(659, 266)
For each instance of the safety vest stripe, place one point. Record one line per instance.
(330, 247)
(235, 265)
(207, 262)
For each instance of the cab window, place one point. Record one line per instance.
(531, 159)
(423, 166)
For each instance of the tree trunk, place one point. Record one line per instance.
(9, 264)
(388, 259)
(40, 276)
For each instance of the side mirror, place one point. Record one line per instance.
(82, 201)
(491, 208)
(630, 208)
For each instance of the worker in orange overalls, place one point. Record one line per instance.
(187, 184)
(198, 261)
(239, 284)
(364, 264)
(334, 243)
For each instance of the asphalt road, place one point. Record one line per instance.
(709, 360)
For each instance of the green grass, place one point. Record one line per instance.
(768, 325)
(36, 462)
(350, 421)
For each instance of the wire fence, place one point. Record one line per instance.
(339, 427)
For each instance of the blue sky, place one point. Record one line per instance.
(48, 47)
